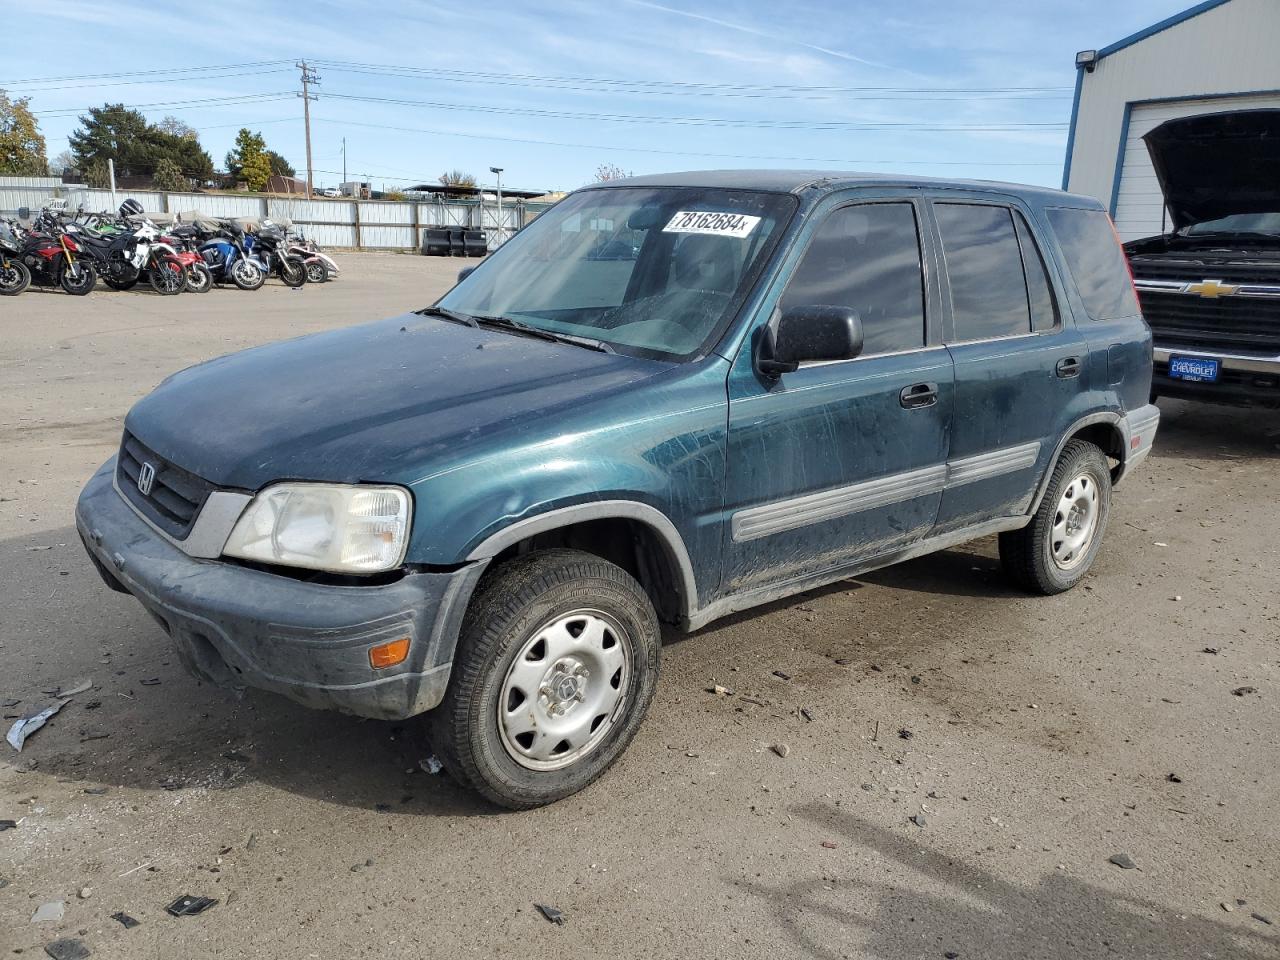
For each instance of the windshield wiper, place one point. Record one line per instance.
(454, 316)
(506, 323)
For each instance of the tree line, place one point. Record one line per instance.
(168, 152)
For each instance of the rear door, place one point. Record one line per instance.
(842, 460)
(1019, 362)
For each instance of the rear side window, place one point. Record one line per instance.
(1044, 310)
(1095, 260)
(867, 257)
(984, 269)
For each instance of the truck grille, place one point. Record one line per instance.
(175, 497)
(1229, 323)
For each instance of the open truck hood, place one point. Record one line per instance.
(1218, 164)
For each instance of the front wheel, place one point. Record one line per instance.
(246, 275)
(14, 278)
(199, 278)
(1055, 550)
(168, 278)
(317, 272)
(77, 277)
(555, 668)
(293, 271)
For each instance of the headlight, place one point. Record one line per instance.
(321, 526)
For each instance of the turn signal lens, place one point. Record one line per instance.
(389, 654)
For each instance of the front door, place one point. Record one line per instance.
(843, 460)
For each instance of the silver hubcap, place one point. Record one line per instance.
(564, 690)
(1075, 522)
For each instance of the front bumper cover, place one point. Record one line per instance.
(238, 626)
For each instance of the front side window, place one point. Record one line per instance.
(867, 257)
(984, 269)
(652, 271)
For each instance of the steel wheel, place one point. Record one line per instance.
(564, 690)
(199, 278)
(1074, 522)
(14, 278)
(317, 272)
(168, 278)
(246, 275)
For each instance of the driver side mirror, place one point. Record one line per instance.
(807, 333)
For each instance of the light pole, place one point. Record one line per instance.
(498, 172)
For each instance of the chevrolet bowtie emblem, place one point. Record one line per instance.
(1211, 289)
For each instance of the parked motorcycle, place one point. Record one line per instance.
(320, 266)
(14, 275)
(228, 258)
(125, 257)
(268, 244)
(54, 257)
(185, 241)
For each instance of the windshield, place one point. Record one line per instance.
(654, 272)
(1238, 223)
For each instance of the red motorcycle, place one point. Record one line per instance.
(184, 243)
(53, 256)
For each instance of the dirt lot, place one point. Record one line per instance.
(1038, 736)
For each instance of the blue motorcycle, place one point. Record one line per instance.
(229, 259)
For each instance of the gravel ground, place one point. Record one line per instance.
(1035, 737)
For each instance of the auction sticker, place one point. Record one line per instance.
(714, 224)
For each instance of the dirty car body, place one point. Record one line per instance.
(1210, 287)
(665, 373)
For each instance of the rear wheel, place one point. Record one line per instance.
(317, 272)
(168, 278)
(555, 668)
(1055, 550)
(14, 278)
(77, 277)
(199, 278)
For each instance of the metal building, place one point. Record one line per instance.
(1218, 55)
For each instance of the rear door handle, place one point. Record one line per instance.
(1068, 367)
(918, 395)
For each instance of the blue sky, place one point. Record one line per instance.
(549, 91)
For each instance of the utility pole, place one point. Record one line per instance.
(344, 159)
(498, 172)
(308, 77)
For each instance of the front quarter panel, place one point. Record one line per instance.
(661, 444)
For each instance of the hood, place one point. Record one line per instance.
(385, 401)
(1218, 164)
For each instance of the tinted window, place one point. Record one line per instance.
(1095, 260)
(1044, 311)
(984, 267)
(867, 257)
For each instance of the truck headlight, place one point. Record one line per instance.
(322, 526)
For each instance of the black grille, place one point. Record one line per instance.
(1239, 323)
(1193, 271)
(176, 496)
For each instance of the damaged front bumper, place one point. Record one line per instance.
(238, 626)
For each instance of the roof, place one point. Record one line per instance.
(1163, 25)
(794, 181)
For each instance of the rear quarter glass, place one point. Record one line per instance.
(1095, 260)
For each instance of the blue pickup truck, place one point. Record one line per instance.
(667, 399)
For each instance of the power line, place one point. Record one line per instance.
(683, 153)
(185, 104)
(989, 127)
(121, 83)
(143, 73)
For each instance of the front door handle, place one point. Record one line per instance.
(918, 395)
(1068, 367)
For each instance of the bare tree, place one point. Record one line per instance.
(611, 171)
(172, 125)
(62, 163)
(458, 178)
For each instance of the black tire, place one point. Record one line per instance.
(168, 277)
(317, 272)
(246, 275)
(293, 271)
(14, 278)
(1033, 557)
(512, 606)
(199, 278)
(121, 283)
(78, 279)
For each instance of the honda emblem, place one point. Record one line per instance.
(146, 477)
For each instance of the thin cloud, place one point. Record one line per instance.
(743, 28)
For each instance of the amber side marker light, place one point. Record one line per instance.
(389, 654)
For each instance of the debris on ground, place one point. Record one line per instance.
(236, 756)
(431, 764)
(84, 893)
(720, 691)
(124, 920)
(950, 955)
(1261, 917)
(8, 825)
(1122, 860)
(53, 910)
(82, 687)
(67, 950)
(30, 722)
(1228, 907)
(1241, 691)
(781, 749)
(189, 906)
(807, 714)
(95, 791)
(1211, 650)
(1173, 778)
(781, 676)
(552, 914)
(905, 734)
(828, 844)
(919, 820)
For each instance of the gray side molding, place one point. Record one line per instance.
(654, 519)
